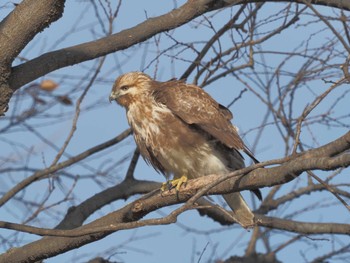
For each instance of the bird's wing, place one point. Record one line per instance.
(194, 106)
(149, 156)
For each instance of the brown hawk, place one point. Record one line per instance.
(182, 131)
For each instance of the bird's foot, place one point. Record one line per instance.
(178, 182)
(174, 183)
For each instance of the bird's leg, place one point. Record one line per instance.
(174, 183)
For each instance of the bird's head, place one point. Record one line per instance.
(130, 87)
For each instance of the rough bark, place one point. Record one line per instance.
(328, 157)
(49, 11)
(16, 31)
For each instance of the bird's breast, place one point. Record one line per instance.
(179, 147)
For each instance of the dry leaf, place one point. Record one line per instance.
(64, 100)
(48, 85)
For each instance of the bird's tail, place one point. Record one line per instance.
(242, 212)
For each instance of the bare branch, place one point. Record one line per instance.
(41, 174)
(126, 218)
(18, 28)
(303, 227)
(42, 65)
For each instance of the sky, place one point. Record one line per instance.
(192, 238)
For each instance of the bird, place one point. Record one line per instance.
(183, 132)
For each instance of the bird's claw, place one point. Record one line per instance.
(176, 183)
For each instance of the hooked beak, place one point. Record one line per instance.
(113, 96)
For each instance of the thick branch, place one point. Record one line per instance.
(129, 216)
(54, 168)
(16, 31)
(51, 61)
(76, 216)
(23, 23)
(73, 55)
(306, 228)
(341, 4)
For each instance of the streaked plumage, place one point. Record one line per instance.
(182, 131)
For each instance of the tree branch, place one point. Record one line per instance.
(19, 28)
(51, 61)
(129, 216)
(17, 39)
(16, 31)
(305, 228)
(345, 5)
(54, 168)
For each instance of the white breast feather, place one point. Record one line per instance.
(146, 127)
(176, 161)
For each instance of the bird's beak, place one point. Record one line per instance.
(113, 96)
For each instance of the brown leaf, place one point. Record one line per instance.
(64, 100)
(48, 85)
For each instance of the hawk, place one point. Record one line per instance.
(182, 131)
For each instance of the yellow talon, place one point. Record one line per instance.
(164, 187)
(174, 183)
(178, 182)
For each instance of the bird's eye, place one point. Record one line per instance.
(124, 88)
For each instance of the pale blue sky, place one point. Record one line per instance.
(103, 121)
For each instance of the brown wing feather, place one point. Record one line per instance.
(149, 156)
(226, 112)
(195, 106)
